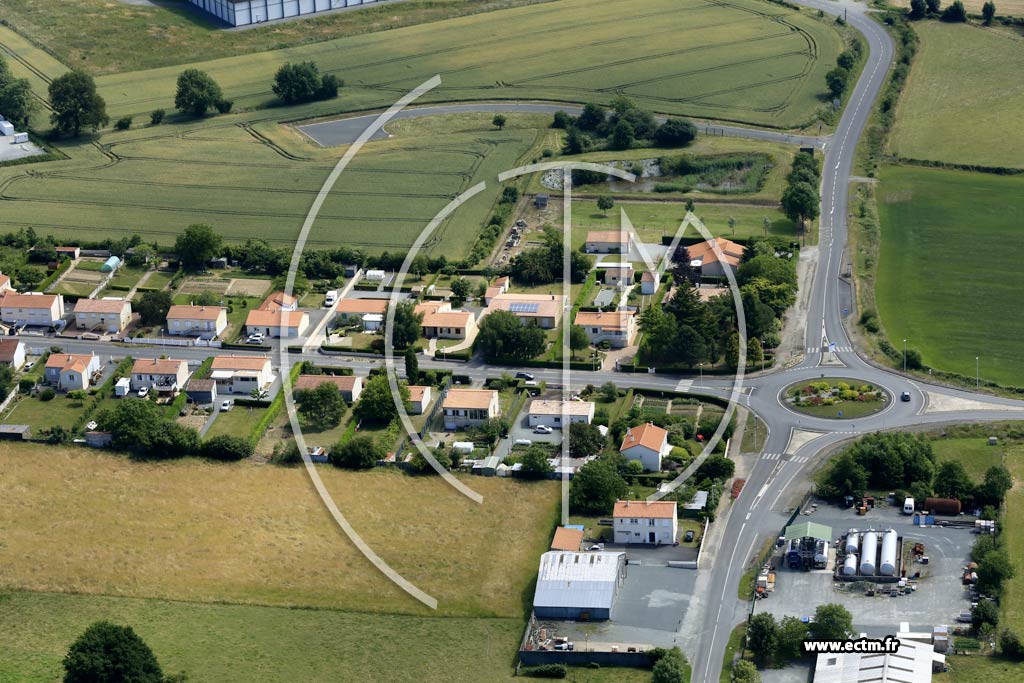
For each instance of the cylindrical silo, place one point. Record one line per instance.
(852, 541)
(850, 565)
(887, 567)
(868, 551)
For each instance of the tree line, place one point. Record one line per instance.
(621, 126)
(954, 13)
(16, 102)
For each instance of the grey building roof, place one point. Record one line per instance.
(584, 580)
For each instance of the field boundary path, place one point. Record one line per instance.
(344, 131)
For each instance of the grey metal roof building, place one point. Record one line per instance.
(578, 586)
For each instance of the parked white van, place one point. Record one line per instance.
(908, 506)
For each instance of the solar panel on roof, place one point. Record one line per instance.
(523, 307)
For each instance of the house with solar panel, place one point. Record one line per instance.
(543, 310)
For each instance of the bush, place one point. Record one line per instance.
(227, 447)
(123, 123)
(25, 384)
(47, 394)
(156, 117)
(1010, 645)
(545, 671)
(224, 106)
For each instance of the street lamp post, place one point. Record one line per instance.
(904, 356)
(701, 365)
(977, 374)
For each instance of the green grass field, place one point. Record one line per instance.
(741, 61)
(949, 305)
(960, 105)
(974, 669)
(973, 453)
(1013, 599)
(244, 643)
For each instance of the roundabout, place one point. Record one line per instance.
(836, 398)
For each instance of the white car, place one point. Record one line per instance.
(29, 365)
(542, 429)
(91, 425)
(143, 392)
(226, 406)
(254, 339)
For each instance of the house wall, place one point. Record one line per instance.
(640, 530)
(258, 11)
(111, 322)
(19, 356)
(603, 248)
(190, 326)
(649, 458)
(33, 316)
(555, 420)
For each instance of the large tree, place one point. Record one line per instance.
(76, 104)
(197, 245)
(535, 463)
(153, 307)
(503, 335)
(831, 622)
(376, 403)
(360, 452)
(408, 325)
(298, 82)
(322, 406)
(143, 427)
(108, 653)
(675, 133)
(16, 101)
(952, 481)
(197, 92)
(596, 487)
(585, 440)
(801, 202)
(763, 637)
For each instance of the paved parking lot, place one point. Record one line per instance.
(10, 152)
(938, 600)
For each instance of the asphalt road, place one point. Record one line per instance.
(345, 131)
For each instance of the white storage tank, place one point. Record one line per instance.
(821, 553)
(850, 565)
(887, 567)
(869, 550)
(852, 541)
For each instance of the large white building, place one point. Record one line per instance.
(913, 663)
(245, 12)
(648, 522)
(578, 586)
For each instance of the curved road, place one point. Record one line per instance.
(346, 131)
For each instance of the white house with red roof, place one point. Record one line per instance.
(200, 321)
(648, 522)
(70, 371)
(646, 443)
(107, 315)
(31, 309)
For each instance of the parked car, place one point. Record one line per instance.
(523, 442)
(91, 425)
(596, 547)
(226, 405)
(905, 397)
(143, 392)
(29, 365)
(524, 375)
(688, 536)
(542, 429)
(255, 338)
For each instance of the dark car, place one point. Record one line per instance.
(688, 537)
(905, 397)
(524, 375)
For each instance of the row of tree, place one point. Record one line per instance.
(839, 78)
(955, 12)
(801, 200)
(16, 102)
(776, 643)
(907, 463)
(622, 126)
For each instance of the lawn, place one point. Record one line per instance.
(127, 276)
(961, 75)
(79, 289)
(258, 534)
(39, 415)
(238, 421)
(159, 279)
(973, 453)
(974, 669)
(929, 292)
(245, 643)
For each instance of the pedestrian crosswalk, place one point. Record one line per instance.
(786, 457)
(837, 349)
(684, 385)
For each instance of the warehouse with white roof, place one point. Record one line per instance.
(578, 586)
(913, 663)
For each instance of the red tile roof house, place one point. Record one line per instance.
(641, 521)
(107, 315)
(469, 407)
(70, 371)
(199, 321)
(12, 353)
(159, 374)
(241, 374)
(276, 323)
(31, 309)
(646, 443)
(607, 242)
(419, 399)
(705, 261)
(350, 386)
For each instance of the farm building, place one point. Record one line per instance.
(31, 309)
(469, 407)
(705, 261)
(350, 386)
(12, 353)
(543, 309)
(70, 371)
(550, 413)
(15, 432)
(617, 328)
(106, 315)
(246, 12)
(200, 321)
(159, 374)
(914, 662)
(641, 521)
(646, 443)
(70, 252)
(578, 586)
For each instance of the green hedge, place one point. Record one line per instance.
(273, 410)
(534, 363)
(52, 277)
(245, 347)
